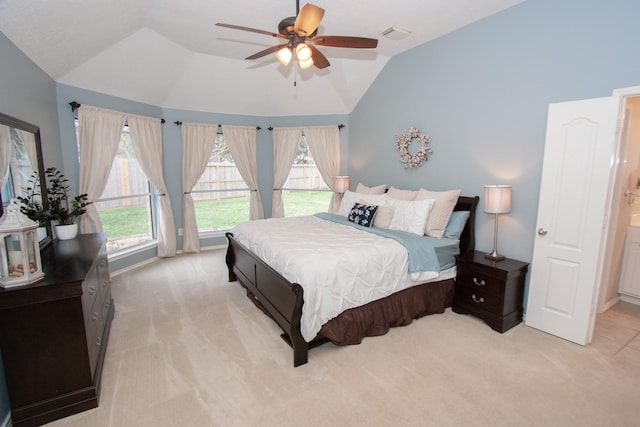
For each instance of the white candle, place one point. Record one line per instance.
(15, 258)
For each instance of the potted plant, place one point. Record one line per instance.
(31, 204)
(62, 208)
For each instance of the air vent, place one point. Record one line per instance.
(395, 33)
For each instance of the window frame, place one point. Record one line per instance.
(152, 194)
(303, 139)
(218, 231)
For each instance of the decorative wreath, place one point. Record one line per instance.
(402, 145)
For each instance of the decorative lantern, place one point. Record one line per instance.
(19, 248)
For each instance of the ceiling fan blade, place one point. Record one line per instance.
(267, 51)
(319, 60)
(345, 41)
(253, 30)
(308, 20)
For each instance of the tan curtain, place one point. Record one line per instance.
(146, 137)
(5, 154)
(99, 133)
(285, 147)
(197, 143)
(324, 143)
(241, 141)
(29, 144)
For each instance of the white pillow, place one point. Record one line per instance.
(410, 216)
(383, 216)
(402, 194)
(350, 198)
(445, 201)
(379, 189)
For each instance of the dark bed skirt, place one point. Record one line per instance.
(377, 317)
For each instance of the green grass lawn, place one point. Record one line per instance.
(211, 214)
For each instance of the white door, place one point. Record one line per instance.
(576, 175)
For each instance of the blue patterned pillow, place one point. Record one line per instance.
(362, 214)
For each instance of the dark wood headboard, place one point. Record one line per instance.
(468, 237)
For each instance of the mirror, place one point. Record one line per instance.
(22, 167)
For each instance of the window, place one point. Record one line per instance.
(128, 204)
(221, 197)
(305, 192)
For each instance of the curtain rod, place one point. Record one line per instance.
(179, 123)
(75, 105)
(340, 126)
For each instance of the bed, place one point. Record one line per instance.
(283, 300)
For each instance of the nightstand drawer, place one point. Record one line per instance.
(490, 290)
(475, 299)
(477, 280)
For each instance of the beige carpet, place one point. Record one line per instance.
(188, 349)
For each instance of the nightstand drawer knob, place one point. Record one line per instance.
(476, 299)
(542, 232)
(480, 283)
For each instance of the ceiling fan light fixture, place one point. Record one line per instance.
(284, 56)
(304, 64)
(303, 52)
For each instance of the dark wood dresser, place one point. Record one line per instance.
(490, 290)
(53, 333)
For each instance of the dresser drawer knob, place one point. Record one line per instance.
(476, 299)
(480, 283)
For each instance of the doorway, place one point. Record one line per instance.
(577, 253)
(624, 203)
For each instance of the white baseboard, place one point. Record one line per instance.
(630, 299)
(156, 259)
(606, 306)
(134, 266)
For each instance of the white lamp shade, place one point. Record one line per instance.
(497, 199)
(284, 56)
(304, 64)
(342, 184)
(303, 52)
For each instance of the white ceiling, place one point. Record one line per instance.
(169, 53)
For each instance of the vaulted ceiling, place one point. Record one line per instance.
(169, 53)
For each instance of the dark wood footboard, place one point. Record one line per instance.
(282, 300)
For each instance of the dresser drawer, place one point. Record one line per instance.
(102, 265)
(478, 280)
(90, 292)
(475, 299)
(94, 327)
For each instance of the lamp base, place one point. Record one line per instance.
(494, 256)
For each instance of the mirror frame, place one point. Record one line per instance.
(28, 127)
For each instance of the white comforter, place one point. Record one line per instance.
(339, 267)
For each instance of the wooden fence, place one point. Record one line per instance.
(217, 176)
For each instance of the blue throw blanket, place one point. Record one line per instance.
(425, 253)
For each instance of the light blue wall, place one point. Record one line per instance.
(27, 93)
(172, 146)
(482, 94)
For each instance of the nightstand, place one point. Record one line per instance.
(489, 290)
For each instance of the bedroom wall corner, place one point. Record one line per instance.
(482, 94)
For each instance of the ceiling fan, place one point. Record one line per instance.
(299, 35)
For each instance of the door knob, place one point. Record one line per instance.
(542, 232)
